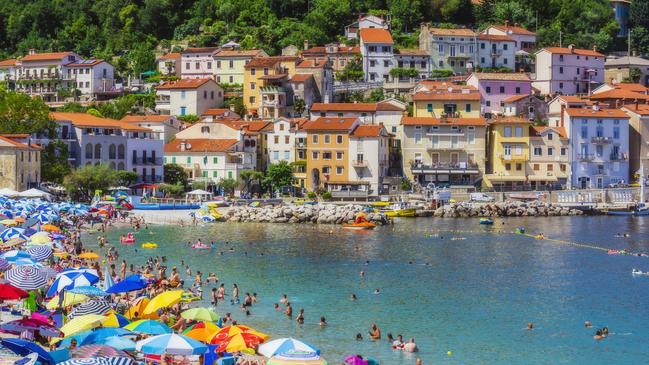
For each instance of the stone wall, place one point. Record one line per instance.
(504, 209)
(319, 213)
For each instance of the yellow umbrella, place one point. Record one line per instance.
(68, 299)
(164, 300)
(40, 239)
(82, 323)
(229, 331)
(89, 256)
(136, 310)
(114, 320)
(50, 228)
(8, 222)
(61, 254)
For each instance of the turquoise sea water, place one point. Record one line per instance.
(474, 298)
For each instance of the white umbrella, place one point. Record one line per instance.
(282, 345)
(172, 344)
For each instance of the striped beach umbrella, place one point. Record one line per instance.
(12, 232)
(69, 282)
(88, 351)
(81, 270)
(172, 344)
(42, 218)
(119, 360)
(26, 277)
(91, 307)
(89, 361)
(40, 253)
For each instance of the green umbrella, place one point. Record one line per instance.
(200, 314)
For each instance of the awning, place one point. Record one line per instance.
(144, 186)
(542, 178)
(494, 177)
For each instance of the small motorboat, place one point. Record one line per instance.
(486, 221)
(360, 226)
(639, 272)
(399, 210)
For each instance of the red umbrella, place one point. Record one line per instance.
(10, 292)
(18, 326)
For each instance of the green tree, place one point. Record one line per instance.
(20, 113)
(376, 95)
(406, 14)
(248, 178)
(175, 190)
(353, 71)
(278, 175)
(228, 185)
(239, 107)
(298, 106)
(54, 162)
(175, 174)
(125, 178)
(83, 182)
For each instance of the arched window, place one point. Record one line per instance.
(120, 152)
(97, 151)
(120, 166)
(89, 150)
(112, 151)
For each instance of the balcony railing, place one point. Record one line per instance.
(601, 140)
(619, 156)
(359, 163)
(300, 144)
(446, 146)
(586, 157)
(147, 161)
(447, 167)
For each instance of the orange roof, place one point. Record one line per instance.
(183, 84)
(15, 135)
(386, 106)
(247, 126)
(239, 53)
(439, 121)
(355, 107)
(515, 98)
(510, 120)
(573, 99)
(632, 87)
(263, 62)
(8, 139)
(330, 124)
(577, 51)
(145, 118)
(298, 78)
(375, 35)
(85, 63)
(368, 131)
(619, 94)
(452, 32)
(495, 37)
(50, 56)
(200, 145)
(311, 63)
(200, 50)
(536, 131)
(8, 63)
(170, 56)
(513, 29)
(323, 50)
(641, 109)
(83, 120)
(601, 113)
(217, 112)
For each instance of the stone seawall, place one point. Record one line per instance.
(504, 209)
(319, 213)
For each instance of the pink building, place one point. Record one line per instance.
(494, 88)
(568, 71)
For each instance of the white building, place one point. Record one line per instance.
(524, 39)
(169, 64)
(198, 63)
(369, 156)
(365, 22)
(91, 77)
(8, 70)
(281, 141)
(568, 71)
(449, 49)
(188, 96)
(387, 112)
(377, 51)
(166, 126)
(496, 51)
(123, 146)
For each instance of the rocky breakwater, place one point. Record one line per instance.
(504, 209)
(319, 213)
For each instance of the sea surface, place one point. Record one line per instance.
(455, 286)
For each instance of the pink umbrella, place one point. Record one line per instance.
(40, 318)
(87, 351)
(355, 360)
(20, 325)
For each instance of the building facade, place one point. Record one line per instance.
(496, 51)
(166, 126)
(230, 64)
(439, 99)
(549, 165)
(365, 22)
(524, 40)
(188, 96)
(198, 62)
(509, 144)
(568, 71)
(495, 88)
(369, 157)
(169, 64)
(449, 49)
(638, 147)
(377, 51)
(20, 162)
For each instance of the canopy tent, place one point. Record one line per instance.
(34, 193)
(198, 194)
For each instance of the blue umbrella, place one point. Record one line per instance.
(131, 283)
(23, 348)
(88, 290)
(80, 270)
(4, 264)
(95, 336)
(14, 255)
(43, 218)
(22, 261)
(40, 253)
(171, 344)
(10, 233)
(119, 343)
(69, 282)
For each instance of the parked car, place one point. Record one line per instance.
(481, 197)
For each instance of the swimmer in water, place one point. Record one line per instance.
(530, 326)
(598, 335)
(377, 291)
(587, 324)
(353, 297)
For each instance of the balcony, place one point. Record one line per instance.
(619, 157)
(586, 157)
(445, 168)
(300, 144)
(514, 158)
(450, 115)
(601, 140)
(496, 52)
(359, 163)
(600, 172)
(147, 161)
(446, 147)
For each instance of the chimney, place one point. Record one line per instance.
(306, 44)
(571, 47)
(506, 23)
(32, 51)
(595, 106)
(183, 146)
(563, 109)
(636, 104)
(594, 47)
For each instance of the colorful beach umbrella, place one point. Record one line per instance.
(40, 239)
(120, 343)
(10, 292)
(91, 274)
(40, 253)
(200, 314)
(238, 342)
(68, 300)
(4, 264)
(50, 228)
(94, 336)
(82, 323)
(164, 300)
(282, 345)
(88, 290)
(148, 326)
(298, 358)
(89, 361)
(12, 232)
(18, 326)
(69, 282)
(14, 255)
(229, 331)
(87, 351)
(115, 320)
(98, 306)
(23, 348)
(88, 256)
(26, 277)
(130, 283)
(172, 344)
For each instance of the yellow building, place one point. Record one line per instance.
(327, 152)
(509, 144)
(434, 99)
(549, 158)
(230, 64)
(264, 80)
(20, 162)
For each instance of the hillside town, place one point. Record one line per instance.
(487, 110)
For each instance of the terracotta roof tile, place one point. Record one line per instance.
(299, 78)
(619, 94)
(50, 56)
(368, 131)
(601, 113)
(513, 29)
(145, 118)
(311, 63)
(447, 121)
(632, 87)
(375, 35)
(8, 63)
(200, 145)
(462, 32)
(515, 98)
(330, 124)
(641, 109)
(263, 62)
(495, 37)
(239, 53)
(15, 144)
(537, 131)
(217, 112)
(85, 63)
(577, 51)
(573, 99)
(169, 56)
(83, 120)
(183, 84)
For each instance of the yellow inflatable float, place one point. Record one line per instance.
(149, 245)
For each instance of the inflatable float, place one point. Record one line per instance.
(149, 245)
(128, 240)
(200, 246)
(360, 226)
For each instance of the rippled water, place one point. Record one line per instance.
(474, 298)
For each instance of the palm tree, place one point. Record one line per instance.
(248, 177)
